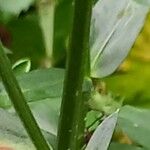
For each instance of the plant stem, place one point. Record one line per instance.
(18, 100)
(71, 123)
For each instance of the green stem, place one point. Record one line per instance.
(19, 102)
(71, 124)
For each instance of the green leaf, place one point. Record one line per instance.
(43, 90)
(37, 85)
(46, 113)
(117, 146)
(113, 32)
(135, 123)
(13, 134)
(92, 120)
(22, 66)
(101, 137)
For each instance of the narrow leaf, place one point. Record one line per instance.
(103, 134)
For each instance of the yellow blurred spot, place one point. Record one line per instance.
(141, 49)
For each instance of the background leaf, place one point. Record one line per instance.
(144, 2)
(117, 146)
(135, 123)
(46, 113)
(113, 32)
(37, 85)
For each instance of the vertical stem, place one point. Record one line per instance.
(19, 102)
(71, 125)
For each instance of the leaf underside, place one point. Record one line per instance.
(114, 27)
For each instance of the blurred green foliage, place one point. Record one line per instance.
(26, 39)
